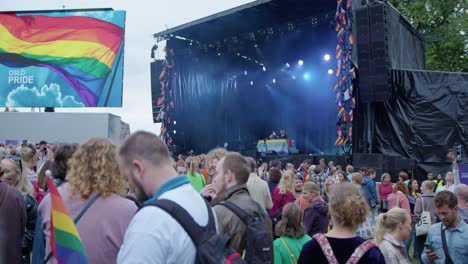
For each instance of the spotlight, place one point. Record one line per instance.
(264, 68)
(245, 73)
(274, 80)
(330, 71)
(175, 122)
(175, 132)
(300, 62)
(219, 54)
(306, 76)
(287, 65)
(326, 57)
(294, 77)
(251, 83)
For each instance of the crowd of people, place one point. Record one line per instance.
(136, 204)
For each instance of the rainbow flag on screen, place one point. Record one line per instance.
(64, 238)
(79, 49)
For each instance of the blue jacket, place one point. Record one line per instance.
(368, 187)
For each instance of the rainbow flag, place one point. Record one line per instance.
(79, 49)
(64, 238)
(340, 32)
(272, 134)
(340, 111)
(351, 39)
(160, 101)
(338, 53)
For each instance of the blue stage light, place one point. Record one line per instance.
(251, 83)
(274, 80)
(245, 73)
(330, 71)
(264, 68)
(300, 62)
(326, 57)
(287, 65)
(306, 76)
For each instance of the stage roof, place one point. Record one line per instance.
(250, 17)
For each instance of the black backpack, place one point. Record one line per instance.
(211, 248)
(258, 247)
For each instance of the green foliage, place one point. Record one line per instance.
(444, 25)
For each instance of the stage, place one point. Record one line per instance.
(230, 79)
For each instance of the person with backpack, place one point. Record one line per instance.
(239, 217)
(348, 210)
(159, 232)
(291, 236)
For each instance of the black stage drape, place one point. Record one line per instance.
(426, 116)
(215, 102)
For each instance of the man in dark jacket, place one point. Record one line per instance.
(316, 215)
(232, 173)
(12, 224)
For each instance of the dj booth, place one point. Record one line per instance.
(278, 146)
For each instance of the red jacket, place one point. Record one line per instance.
(385, 190)
(280, 200)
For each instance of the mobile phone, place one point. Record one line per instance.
(428, 246)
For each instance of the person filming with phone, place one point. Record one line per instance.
(447, 241)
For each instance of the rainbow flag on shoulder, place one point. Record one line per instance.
(64, 238)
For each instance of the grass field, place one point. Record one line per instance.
(411, 254)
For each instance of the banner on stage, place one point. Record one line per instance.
(61, 58)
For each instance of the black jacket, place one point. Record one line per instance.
(31, 212)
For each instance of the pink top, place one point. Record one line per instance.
(398, 199)
(101, 228)
(280, 200)
(385, 190)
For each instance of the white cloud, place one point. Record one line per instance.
(48, 95)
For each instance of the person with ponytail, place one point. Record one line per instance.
(391, 230)
(196, 179)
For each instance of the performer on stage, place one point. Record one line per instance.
(283, 134)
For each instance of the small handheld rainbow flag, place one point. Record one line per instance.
(64, 238)
(273, 134)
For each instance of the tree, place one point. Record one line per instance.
(443, 23)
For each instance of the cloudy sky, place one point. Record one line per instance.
(144, 18)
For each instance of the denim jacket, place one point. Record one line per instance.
(457, 243)
(369, 189)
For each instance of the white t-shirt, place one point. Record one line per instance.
(153, 236)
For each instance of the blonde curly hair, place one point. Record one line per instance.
(93, 167)
(286, 183)
(348, 206)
